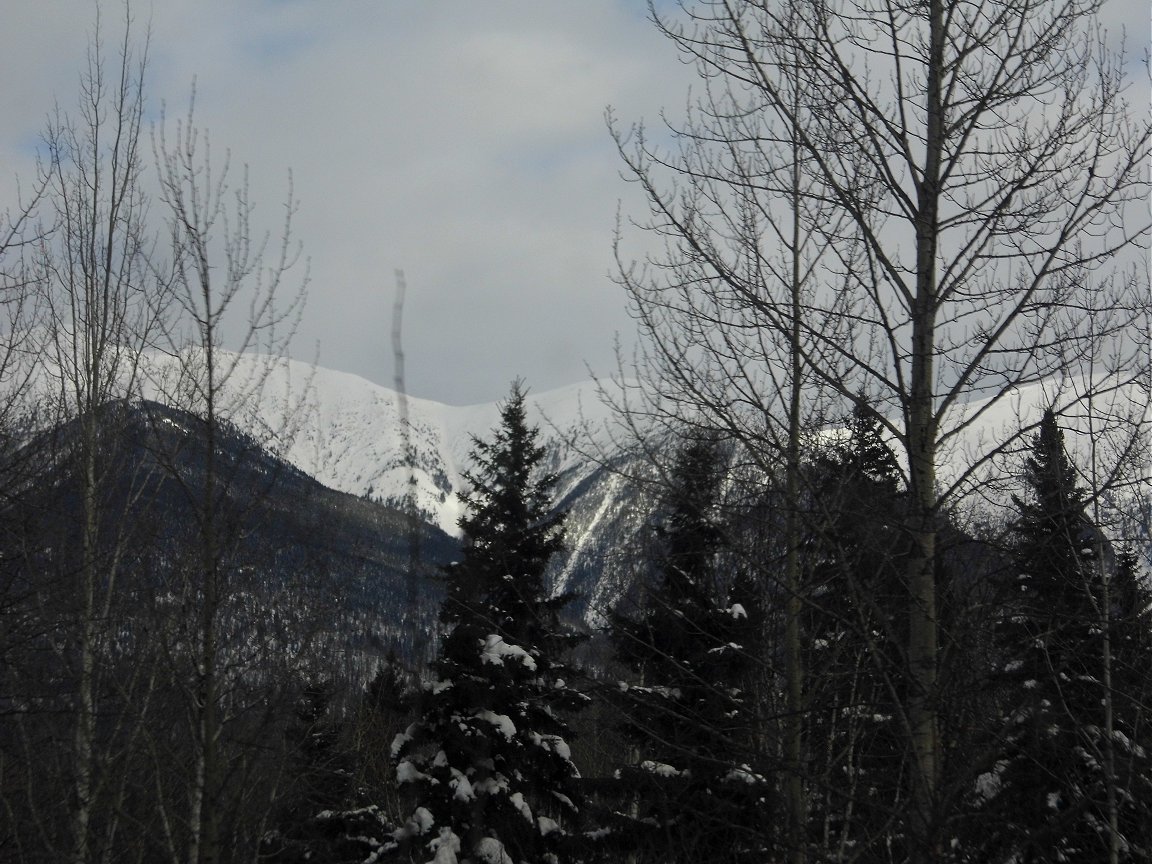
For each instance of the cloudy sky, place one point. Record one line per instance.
(461, 140)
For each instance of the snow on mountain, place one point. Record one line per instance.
(347, 432)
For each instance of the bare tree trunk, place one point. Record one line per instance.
(99, 298)
(794, 734)
(85, 732)
(921, 436)
(209, 703)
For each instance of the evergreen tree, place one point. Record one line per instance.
(488, 757)
(389, 691)
(319, 765)
(322, 818)
(856, 750)
(690, 794)
(1130, 647)
(1062, 781)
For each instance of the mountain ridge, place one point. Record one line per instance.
(346, 432)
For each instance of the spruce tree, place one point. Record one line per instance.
(856, 750)
(1063, 788)
(488, 757)
(690, 794)
(1130, 647)
(322, 818)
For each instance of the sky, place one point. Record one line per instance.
(462, 141)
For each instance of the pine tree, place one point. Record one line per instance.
(488, 757)
(1057, 787)
(322, 818)
(692, 793)
(1130, 646)
(856, 750)
(319, 766)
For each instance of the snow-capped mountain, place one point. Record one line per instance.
(349, 434)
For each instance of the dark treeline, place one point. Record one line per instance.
(665, 744)
(668, 744)
(102, 685)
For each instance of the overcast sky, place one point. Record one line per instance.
(461, 140)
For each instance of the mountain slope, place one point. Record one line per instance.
(347, 433)
(286, 545)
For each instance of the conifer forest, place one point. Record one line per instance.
(851, 563)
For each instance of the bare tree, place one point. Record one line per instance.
(720, 311)
(99, 297)
(140, 638)
(21, 237)
(229, 292)
(977, 170)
